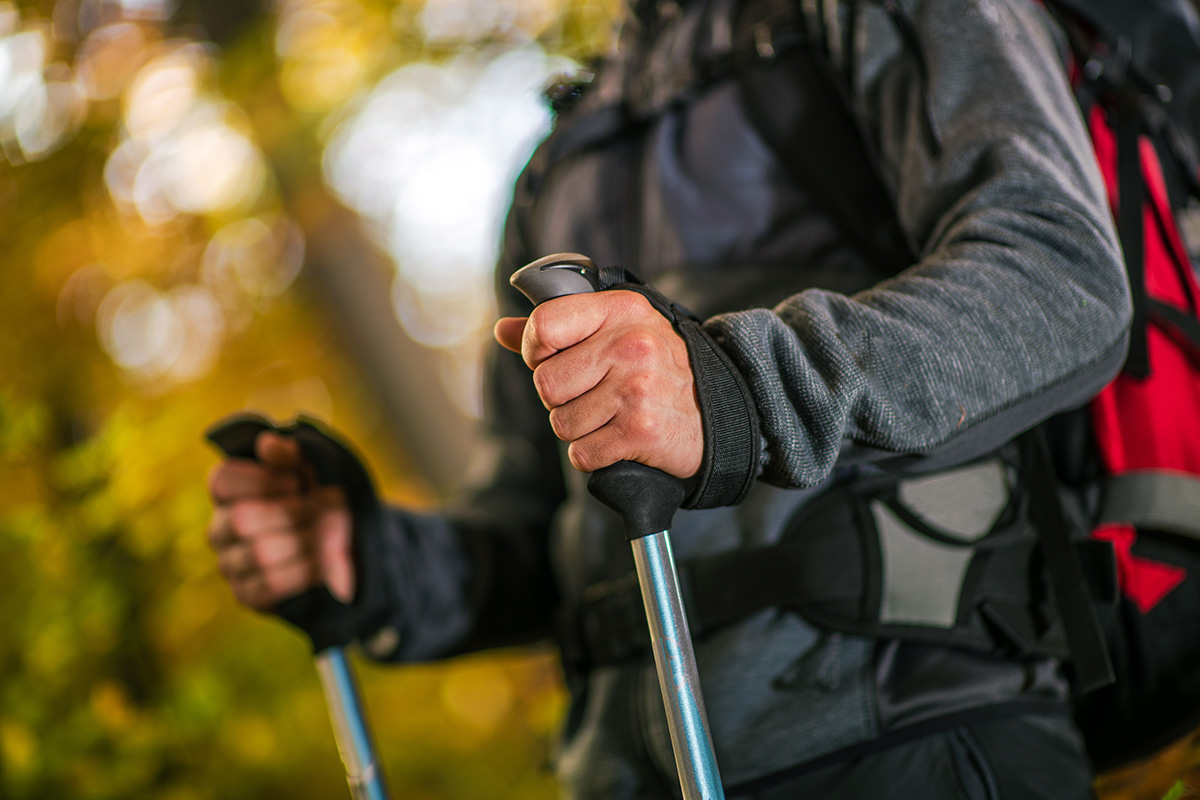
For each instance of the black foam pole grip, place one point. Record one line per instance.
(644, 497)
(235, 437)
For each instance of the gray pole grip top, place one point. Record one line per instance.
(557, 275)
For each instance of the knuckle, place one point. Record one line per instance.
(636, 345)
(546, 382)
(228, 567)
(589, 457)
(254, 593)
(539, 332)
(278, 584)
(217, 530)
(218, 483)
(631, 303)
(580, 457)
(212, 479)
(640, 426)
(258, 555)
(241, 516)
(559, 425)
(640, 388)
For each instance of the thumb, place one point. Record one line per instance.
(508, 332)
(278, 452)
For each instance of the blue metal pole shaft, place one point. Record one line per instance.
(350, 726)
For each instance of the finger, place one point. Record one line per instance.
(599, 449)
(669, 442)
(220, 530)
(238, 478)
(563, 322)
(333, 529)
(263, 591)
(253, 516)
(247, 518)
(615, 442)
(583, 415)
(262, 554)
(570, 374)
(508, 332)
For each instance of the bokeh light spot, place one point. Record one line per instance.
(164, 91)
(139, 329)
(107, 58)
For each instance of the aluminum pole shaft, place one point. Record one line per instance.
(349, 726)
(675, 660)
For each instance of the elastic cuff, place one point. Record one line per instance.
(732, 439)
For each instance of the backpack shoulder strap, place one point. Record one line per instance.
(790, 82)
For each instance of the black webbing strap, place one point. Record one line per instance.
(1131, 195)
(1183, 327)
(1077, 608)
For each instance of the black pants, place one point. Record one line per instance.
(1022, 758)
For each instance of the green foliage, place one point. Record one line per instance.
(1177, 791)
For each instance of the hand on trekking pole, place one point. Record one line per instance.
(616, 378)
(276, 533)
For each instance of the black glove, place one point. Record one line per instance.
(326, 620)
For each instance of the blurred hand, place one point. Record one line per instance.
(275, 532)
(616, 379)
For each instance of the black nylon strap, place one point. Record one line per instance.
(1081, 623)
(1183, 327)
(731, 436)
(1131, 194)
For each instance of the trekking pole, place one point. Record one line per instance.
(235, 437)
(363, 774)
(646, 499)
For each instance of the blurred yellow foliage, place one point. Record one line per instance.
(126, 669)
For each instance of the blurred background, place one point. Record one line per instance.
(289, 206)
(283, 205)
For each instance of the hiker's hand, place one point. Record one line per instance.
(616, 379)
(275, 532)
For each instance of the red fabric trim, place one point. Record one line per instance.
(1150, 423)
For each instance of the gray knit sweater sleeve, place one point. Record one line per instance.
(1018, 306)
